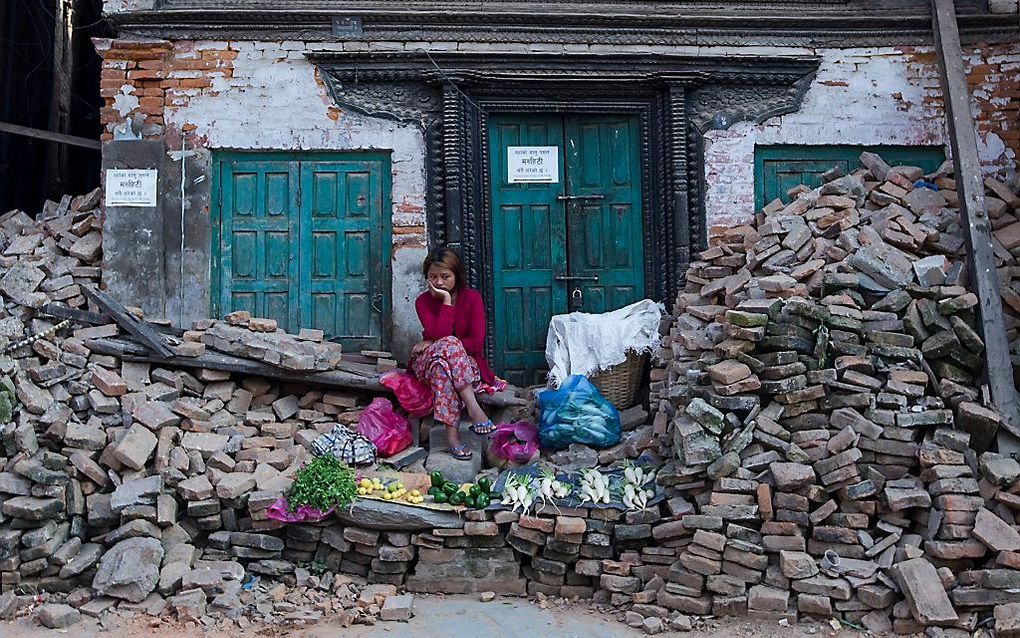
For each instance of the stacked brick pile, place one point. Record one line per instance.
(42, 522)
(149, 458)
(260, 339)
(824, 367)
(1003, 206)
(47, 258)
(135, 479)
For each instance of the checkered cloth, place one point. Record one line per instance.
(350, 447)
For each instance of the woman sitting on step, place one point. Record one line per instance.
(449, 357)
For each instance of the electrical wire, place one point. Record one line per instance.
(34, 23)
(448, 80)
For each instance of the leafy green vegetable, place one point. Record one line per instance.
(318, 567)
(322, 483)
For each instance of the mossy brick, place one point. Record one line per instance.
(746, 319)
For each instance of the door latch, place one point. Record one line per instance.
(593, 278)
(572, 198)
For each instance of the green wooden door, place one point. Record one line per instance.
(779, 168)
(605, 248)
(570, 244)
(343, 237)
(304, 239)
(529, 231)
(260, 212)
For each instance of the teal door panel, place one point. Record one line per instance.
(260, 224)
(571, 245)
(528, 248)
(343, 237)
(779, 168)
(604, 229)
(304, 239)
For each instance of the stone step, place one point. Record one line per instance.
(454, 585)
(453, 469)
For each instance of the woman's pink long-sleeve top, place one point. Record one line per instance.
(464, 320)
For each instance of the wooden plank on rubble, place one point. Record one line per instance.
(139, 328)
(976, 225)
(75, 314)
(129, 350)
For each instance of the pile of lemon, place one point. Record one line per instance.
(393, 492)
(369, 485)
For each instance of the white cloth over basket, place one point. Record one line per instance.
(582, 343)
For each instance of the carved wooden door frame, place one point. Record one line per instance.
(677, 98)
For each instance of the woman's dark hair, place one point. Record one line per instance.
(446, 258)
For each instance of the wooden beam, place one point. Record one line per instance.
(139, 328)
(974, 213)
(129, 350)
(50, 136)
(81, 316)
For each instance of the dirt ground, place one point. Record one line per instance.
(440, 616)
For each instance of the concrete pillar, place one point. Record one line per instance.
(134, 268)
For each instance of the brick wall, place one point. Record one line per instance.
(215, 94)
(145, 77)
(993, 75)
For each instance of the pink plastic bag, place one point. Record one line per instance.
(412, 395)
(280, 511)
(389, 431)
(515, 443)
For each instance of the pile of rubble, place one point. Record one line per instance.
(823, 378)
(260, 339)
(127, 481)
(146, 488)
(1003, 204)
(817, 404)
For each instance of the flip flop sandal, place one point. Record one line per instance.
(461, 452)
(483, 429)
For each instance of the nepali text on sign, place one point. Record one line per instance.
(533, 164)
(131, 187)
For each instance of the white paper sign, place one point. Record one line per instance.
(533, 164)
(131, 187)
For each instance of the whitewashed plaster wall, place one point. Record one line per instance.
(273, 101)
(860, 97)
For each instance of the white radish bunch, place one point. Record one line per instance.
(637, 475)
(517, 492)
(550, 487)
(635, 496)
(594, 486)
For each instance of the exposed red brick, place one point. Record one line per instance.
(195, 83)
(143, 74)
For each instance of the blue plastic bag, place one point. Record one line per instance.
(577, 413)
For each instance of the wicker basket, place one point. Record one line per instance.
(620, 383)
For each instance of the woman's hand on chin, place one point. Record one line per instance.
(441, 295)
(420, 347)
